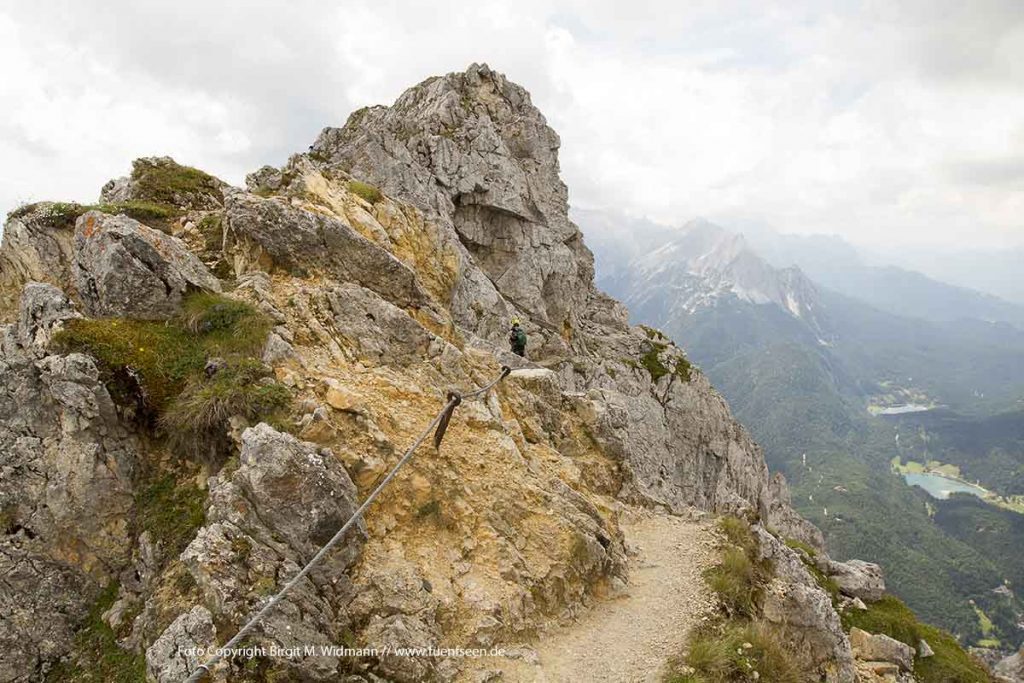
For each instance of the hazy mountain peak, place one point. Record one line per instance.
(707, 263)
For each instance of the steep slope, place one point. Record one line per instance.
(295, 337)
(801, 364)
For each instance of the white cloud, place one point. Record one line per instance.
(885, 122)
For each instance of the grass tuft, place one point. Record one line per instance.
(167, 182)
(738, 533)
(366, 191)
(159, 356)
(737, 582)
(739, 578)
(800, 545)
(171, 511)
(162, 356)
(242, 388)
(731, 651)
(62, 215)
(683, 369)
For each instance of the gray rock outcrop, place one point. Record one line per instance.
(124, 268)
(479, 159)
(37, 247)
(858, 579)
(878, 647)
(175, 654)
(297, 240)
(1011, 669)
(794, 601)
(164, 181)
(471, 149)
(65, 491)
(264, 521)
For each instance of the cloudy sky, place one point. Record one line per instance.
(886, 122)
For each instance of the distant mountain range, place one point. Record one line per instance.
(806, 339)
(834, 263)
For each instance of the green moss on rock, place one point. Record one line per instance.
(171, 511)
(64, 214)
(96, 656)
(651, 361)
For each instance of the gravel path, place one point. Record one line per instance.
(629, 639)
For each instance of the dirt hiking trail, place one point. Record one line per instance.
(629, 638)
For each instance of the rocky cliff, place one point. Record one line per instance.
(201, 381)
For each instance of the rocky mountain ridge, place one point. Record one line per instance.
(370, 274)
(704, 263)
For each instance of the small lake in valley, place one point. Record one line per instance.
(901, 410)
(939, 486)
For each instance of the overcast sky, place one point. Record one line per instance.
(886, 122)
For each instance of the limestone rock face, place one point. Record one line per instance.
(382, 303)
(471, 149)
(65, 493)
(473, 153)
(265, 520)
(124, 268)
(172, 657)
(1011, 669)
(795, 601)
(858, 579)
(37, 247)
(298, 239)
(782, 516)
(880, 647)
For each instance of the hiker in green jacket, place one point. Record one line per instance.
(517, 338)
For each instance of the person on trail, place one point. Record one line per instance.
(517, 339)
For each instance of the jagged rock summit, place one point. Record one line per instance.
(363, 279)
(472, 151)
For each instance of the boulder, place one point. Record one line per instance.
(858, 579)
(880, 647)
(123, 268)
(264, 521)
(924, 650)
(372, 328)
(302, 241)
(42, 311)
(174, 655)
(1011, 669)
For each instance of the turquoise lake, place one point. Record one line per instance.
(941, 487)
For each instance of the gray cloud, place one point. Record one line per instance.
(838, 116)
(999, 173)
